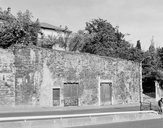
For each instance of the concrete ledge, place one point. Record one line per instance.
(111, 118)
(82, 121)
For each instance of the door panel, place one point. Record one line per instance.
(56, 97)
(71, 94)
(74, 90)
(67, 91)
(106, 93)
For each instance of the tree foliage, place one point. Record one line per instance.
(102, 37)
(77, 41)
(51, 41)
(19, 30)
(106, 40)
(152, 68)
(138, 45)
(160, 54)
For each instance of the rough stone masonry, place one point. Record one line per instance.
(33, 76)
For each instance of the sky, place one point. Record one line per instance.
(142, 19)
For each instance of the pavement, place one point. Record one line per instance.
(41, 109)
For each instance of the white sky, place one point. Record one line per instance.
(142, 19)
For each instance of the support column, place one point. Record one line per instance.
(99, 98)
(140, 84)
(157, 97)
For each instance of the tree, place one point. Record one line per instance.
(19, 30)
(48, 42)
(101, 37)
(6, 15)
(106, 40)
(135, 54)
(138, 45)
(152, 70)
(160, 65)
(51, 41)
(77, 41)
(160, 54)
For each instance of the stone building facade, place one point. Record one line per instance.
(42, 77)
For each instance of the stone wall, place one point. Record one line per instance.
(28, 77)
(7, 78)
(38, 71)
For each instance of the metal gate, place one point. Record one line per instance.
(71, 94)
(106, 93)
